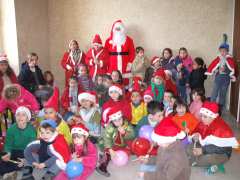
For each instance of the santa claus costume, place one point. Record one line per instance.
(121, 50)
(71, 60)
(97, 58)
(215, 138)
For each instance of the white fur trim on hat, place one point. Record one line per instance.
(167, 139)
(147, 96)
(208, 113)
(80, 131)
(3, 58)
(155, 60)
(25, 110)
(87, 96)
(115, 88)
(115, 116)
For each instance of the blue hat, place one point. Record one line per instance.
(50, 122)
(224, 44)
(68, 116)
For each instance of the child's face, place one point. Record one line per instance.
(73, 46)
(183, 54)
(140, 53)
(206, 119)
(223, 52)
(73, 83)
(136, 98)
(100, 80)
(195, 65)
(157, 80)
(50, 113)
(46, 134)
(82, 71)
(32, 62)
(181, 110)
(115, 76)
(21, 119)
(3, 67)
(114, 95)
(166, 54)
(173, 100)
(167, 97)
(196, 97)
(157, 117)
(147, 99)
(78, 139)
(95, 46)
(86, 103)
(48, 78)
(118, 122)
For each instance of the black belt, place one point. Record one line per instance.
(118, 53)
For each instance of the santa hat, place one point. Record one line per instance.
(25, 110)
(50, 122)
(136, 87)
(168, 72)
(210, 109)
(80, 129)
(3, 58)
(73, 40)
(115, 87)
(90, 95)
(160, 73)
(224, 44)
(53, 100)
(167, 132)
(97, 40)
(154, 60)
(114, 113)
(148, 93)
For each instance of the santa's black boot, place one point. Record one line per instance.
(102, 168)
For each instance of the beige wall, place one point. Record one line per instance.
(32, 29)
(156, 24)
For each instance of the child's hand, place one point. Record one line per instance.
(121, 130)
(6, 157)
(197, 151)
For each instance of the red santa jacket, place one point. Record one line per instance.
(12, 78)
(120, 57)
(217, 133)
(102, 56)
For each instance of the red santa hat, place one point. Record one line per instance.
(148, 93)
(160, 73)
(97, 40)
(53, 100)
(167, 132)
(80, 129)
(3, 58)
(136, 87)
(114, 113)
(116, 87)
(90, 95)
(154, 60)
(210, 109)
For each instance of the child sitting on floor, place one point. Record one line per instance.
(198, 99)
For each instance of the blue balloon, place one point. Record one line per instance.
(74, 169)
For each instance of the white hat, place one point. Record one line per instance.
(25, 110)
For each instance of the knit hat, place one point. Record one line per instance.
(90, 95)
(210, 109)
(160, 72)
(224, 44)
(53, 100)
(154, 60)
(148, 93)
(97, 40)
(114, 113)
(25, 110)
(116, 87)
(50, 122)
(167, 132)
(3, 58)
(80, 129)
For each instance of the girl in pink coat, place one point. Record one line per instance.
(14, 96)
(83, 151)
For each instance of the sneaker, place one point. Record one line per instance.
(212, 169)
(102, 172)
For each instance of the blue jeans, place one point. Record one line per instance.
(182, 91)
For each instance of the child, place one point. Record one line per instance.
(155, 65)
(148, 96)
(167, 99)
(83, 151)
(185, 58)
(69, 99)
(117, 77)
(19, 135)
(52, 152)
(197, 76)
(171, 162)
(7, 75)
(116, 99)
(140, 63)
(213, 140)
(167, 59)
(51, 109)
(100, 89)
(198, 98)
(117, 136)
(84, 80)
(90, 114)
(170, 83)
(49, 78)
(157, 85)
(97, 58)
(169, 110)
(181, 76)
(14, 96)
(30, 76)
(72, 59)
(224, 67)
(182, 118)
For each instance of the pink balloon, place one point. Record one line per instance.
(120, 158)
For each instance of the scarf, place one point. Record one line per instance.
(87, 114)
(160, 89)
(76, 55)
(223, 61)
(73, 96)
(43, 151)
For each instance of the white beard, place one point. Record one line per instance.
(119, 38)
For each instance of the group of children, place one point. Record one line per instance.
(98, 114)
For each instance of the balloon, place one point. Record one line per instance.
(145, 132)
(141, 146)
(120, 158)
(74, 169)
